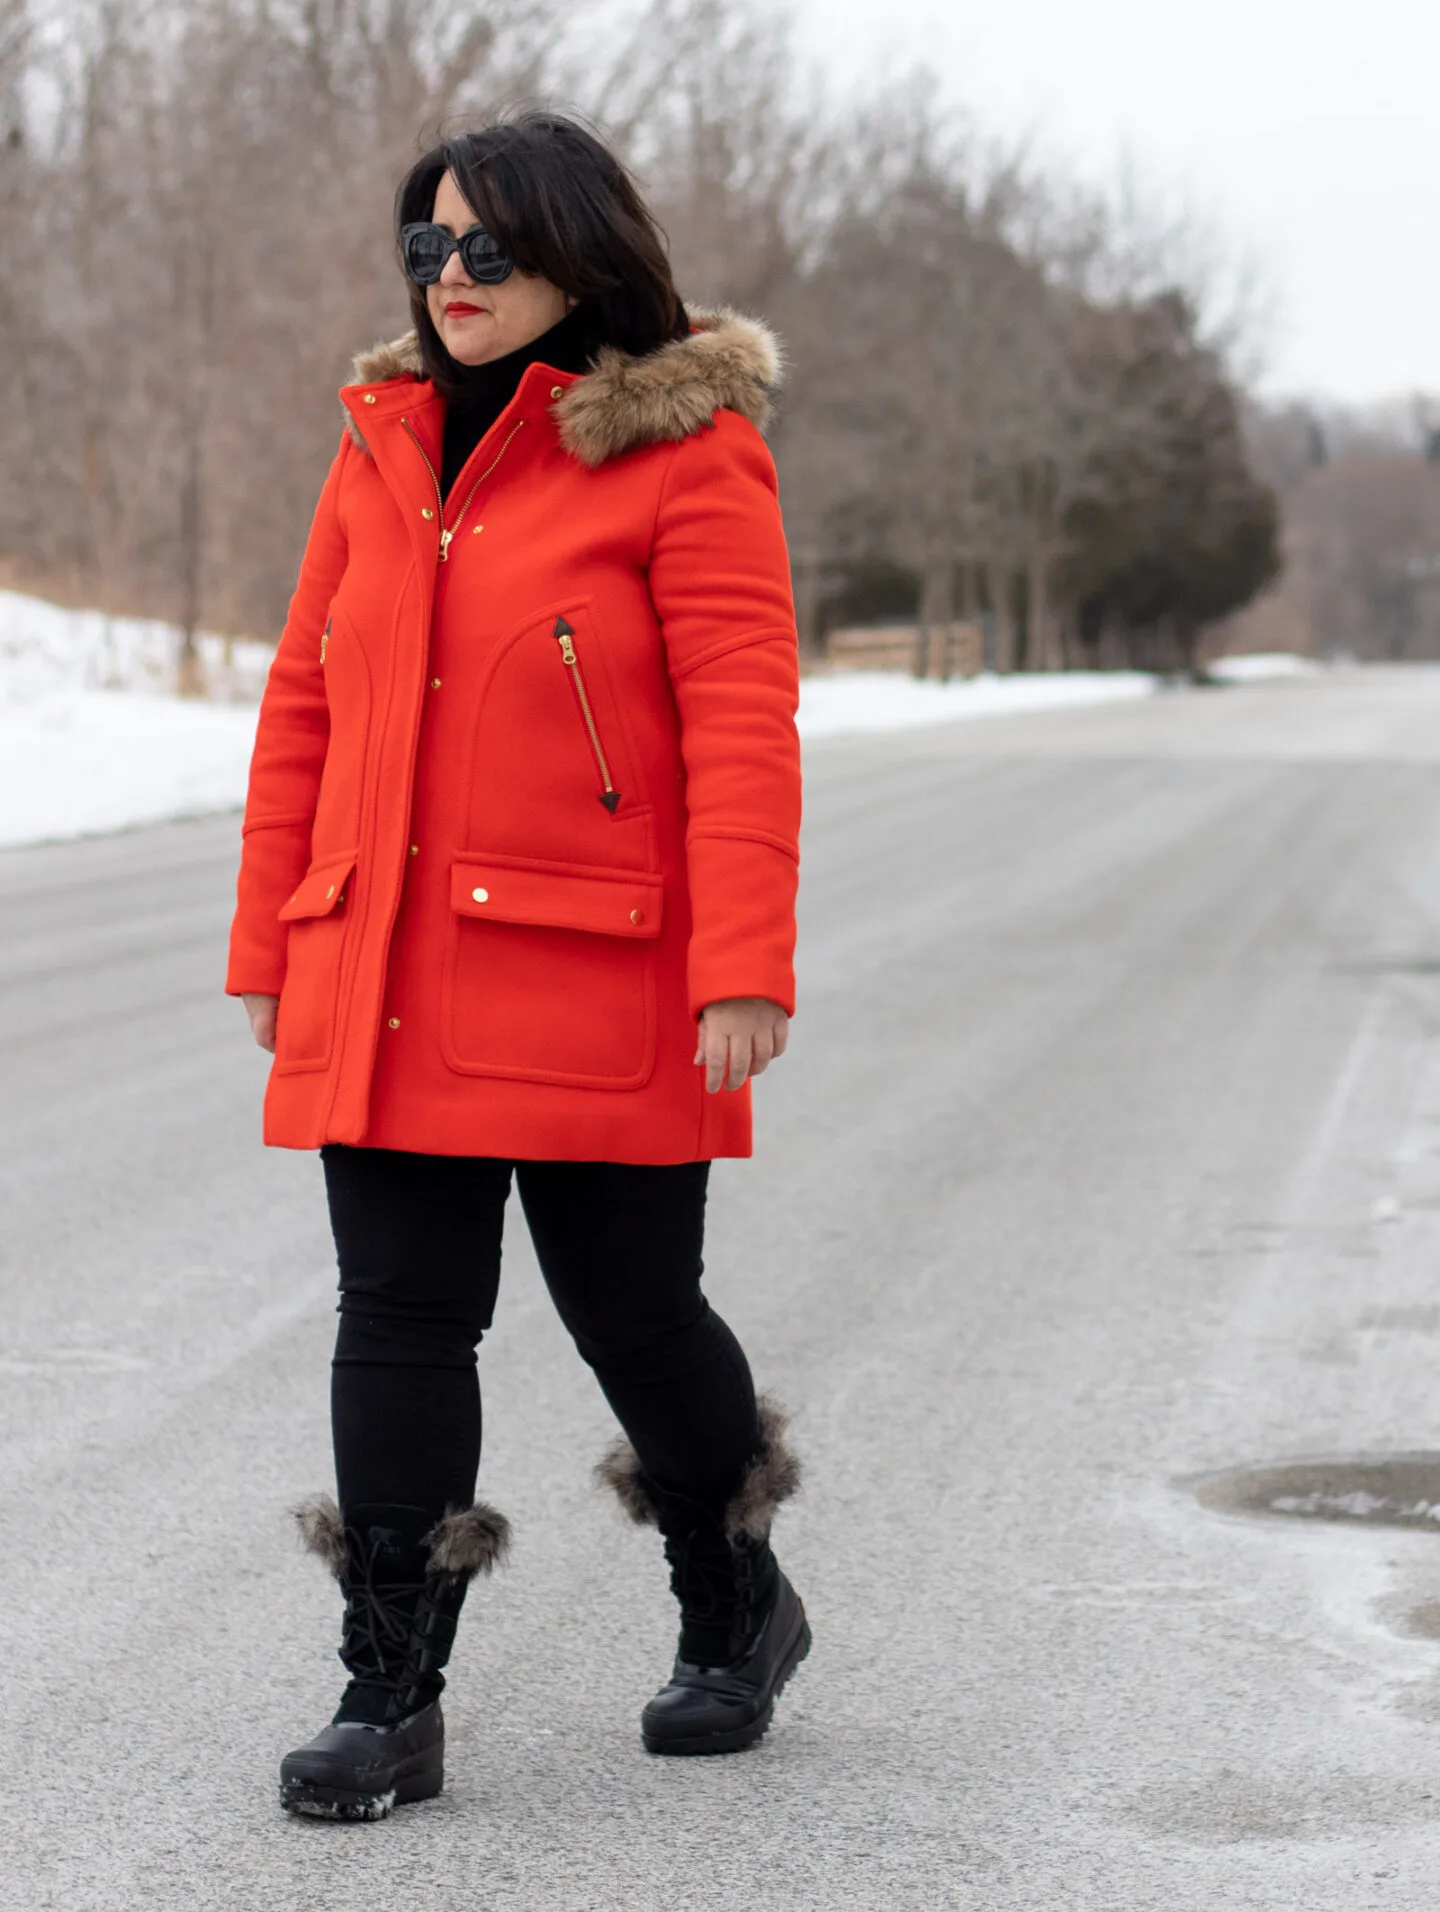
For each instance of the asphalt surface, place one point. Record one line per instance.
(1106, 1155)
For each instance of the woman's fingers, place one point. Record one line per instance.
(732, 1054)
(262, 1013)
(717, 1058)
(740, 1047)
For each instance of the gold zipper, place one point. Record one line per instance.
(565, 637)
(325, 638)
(447, 535)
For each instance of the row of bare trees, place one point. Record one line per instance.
(1006, 401)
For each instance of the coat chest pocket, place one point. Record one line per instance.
(550, 973)
(310, 995)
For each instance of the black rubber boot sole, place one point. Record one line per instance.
(735, 1739)
(422, 1776)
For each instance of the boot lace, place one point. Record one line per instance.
(382, 1639)
(711, 1581)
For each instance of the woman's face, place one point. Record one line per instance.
(480, 322)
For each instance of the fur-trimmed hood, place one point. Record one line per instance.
(728, 363)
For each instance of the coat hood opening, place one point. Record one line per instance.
(728, 363)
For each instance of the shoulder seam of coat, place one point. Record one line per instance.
(728, 363)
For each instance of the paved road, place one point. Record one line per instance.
(1107, 1154)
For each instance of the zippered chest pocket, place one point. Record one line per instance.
(562, 758)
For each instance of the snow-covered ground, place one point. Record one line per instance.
(110, 761)
(1261, 665)
(92, 737)
(49, 654)
(849, 702)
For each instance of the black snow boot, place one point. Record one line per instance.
(404, 1577)
(743, 1630)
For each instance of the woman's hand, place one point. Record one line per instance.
(739, 1038)
(261, 1011)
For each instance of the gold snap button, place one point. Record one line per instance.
(481, 896)
(414, 849)
(330, 892)
(369, 398)
(476, 532)
(426, 512)
(637, 917)
(434, 683)
(557, 391)
(394, 1022)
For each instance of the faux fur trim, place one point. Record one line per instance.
(770, 1479)
(468, 1541)
(400, 358)
(619, 1469)
(322, 1531)
(728, 363)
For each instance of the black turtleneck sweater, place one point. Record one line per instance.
(479, 393)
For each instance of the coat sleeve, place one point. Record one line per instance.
(289, 756)
(720, 581)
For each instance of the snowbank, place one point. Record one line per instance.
(850, 702)
(91, 739)
(1260, 666)
(50, 655)
(108, 761)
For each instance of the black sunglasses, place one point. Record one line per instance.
(424, 248)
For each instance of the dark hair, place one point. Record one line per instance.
(558, 201)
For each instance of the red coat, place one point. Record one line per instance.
(525, 794)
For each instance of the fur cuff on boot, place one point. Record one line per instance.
(467, 1541)
(770, 1479)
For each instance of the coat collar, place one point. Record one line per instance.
(728, 363)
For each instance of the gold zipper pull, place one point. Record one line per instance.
(567, 649)
(324, 640)
(445, 537)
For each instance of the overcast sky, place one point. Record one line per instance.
(1309, 131)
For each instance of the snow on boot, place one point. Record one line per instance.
(743, 1630)
(404, 1578)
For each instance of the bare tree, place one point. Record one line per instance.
(979, 415)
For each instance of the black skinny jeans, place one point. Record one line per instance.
(418, 1239)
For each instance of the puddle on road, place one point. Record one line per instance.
(1385, 1490)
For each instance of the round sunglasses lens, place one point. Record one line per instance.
(483, 259)
(425, 253)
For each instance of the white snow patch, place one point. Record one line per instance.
(109, 761)
(847, 702)
(91, 737)
(1259, 666)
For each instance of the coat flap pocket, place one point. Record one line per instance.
(557, 895)
(322, 890)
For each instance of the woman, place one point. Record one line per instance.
(517, 896)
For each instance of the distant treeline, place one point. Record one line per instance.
(1360, 498)
(1006, 400)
